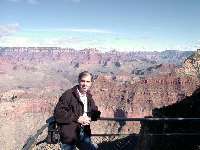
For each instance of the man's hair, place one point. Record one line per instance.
(83, 74)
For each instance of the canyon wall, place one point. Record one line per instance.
(126, 85)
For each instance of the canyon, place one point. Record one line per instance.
(127, 84)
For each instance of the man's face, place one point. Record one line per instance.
(85, 84)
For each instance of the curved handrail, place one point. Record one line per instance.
(31, 141)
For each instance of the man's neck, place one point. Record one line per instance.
(81, 92)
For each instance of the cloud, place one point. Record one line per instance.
(74, 1)
(86, 30)
(104, 44)
(21, 41)
(84, 38)
(32, 2)
(69, 42)
(16, 42)
(66, 42)
(40, 38)
(14, 0)
(89, 30)
(185, 46)
(9, 29)
(81, 30)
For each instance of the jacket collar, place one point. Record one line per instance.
(75, 92)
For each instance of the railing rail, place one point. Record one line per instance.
(148, 119)
(31, 141)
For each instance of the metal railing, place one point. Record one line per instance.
(148, 119)
(32, 141)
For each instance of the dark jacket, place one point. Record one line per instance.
(67, 111)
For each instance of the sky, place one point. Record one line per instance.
(124, 25)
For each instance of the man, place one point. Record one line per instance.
(74, 113)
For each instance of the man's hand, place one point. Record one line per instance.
(84, 120)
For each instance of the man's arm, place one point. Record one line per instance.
(63, 112)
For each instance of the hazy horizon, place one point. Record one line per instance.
(102, 50)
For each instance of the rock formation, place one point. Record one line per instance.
(126, 85)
